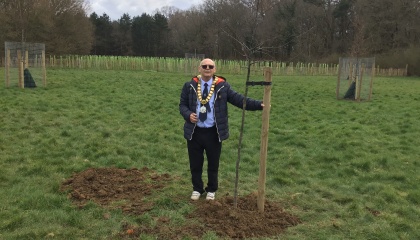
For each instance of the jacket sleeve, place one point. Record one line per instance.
(184, 109)
(236, 99)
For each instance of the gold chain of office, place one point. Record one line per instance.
(204, 101)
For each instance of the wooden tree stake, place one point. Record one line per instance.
(21, 75)
(264, 139)
(8, 64)
(44, 70)
(337, 90)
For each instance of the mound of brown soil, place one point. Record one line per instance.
(127, 188)
(123, 188)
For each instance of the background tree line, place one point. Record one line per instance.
(283, 30)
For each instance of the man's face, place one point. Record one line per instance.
(207, 69)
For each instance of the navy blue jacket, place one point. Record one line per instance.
(223, 95)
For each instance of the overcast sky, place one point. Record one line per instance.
(116, 8)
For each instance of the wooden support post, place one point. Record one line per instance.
(21, 75)
(8, 64)
(26, 65)
(337, 90)
(356, 89)
(44, 70)
(264, 139)
(351, 74)
(371, 82)
(360, 82)
(20, 64)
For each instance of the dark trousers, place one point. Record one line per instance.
(204, 139)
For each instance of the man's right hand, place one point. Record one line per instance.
(193, 118)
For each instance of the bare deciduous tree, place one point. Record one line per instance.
(61, 24)
(244, 28)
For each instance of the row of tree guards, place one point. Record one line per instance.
(17, 60)
(179, 65)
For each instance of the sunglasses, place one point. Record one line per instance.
(207, 66)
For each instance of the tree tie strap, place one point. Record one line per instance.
(252, 83)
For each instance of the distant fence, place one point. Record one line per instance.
(177, 65)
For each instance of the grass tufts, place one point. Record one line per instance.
(348, 170)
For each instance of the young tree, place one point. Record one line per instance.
(244, 29)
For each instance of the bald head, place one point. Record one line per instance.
(207, 69)
(207, 61)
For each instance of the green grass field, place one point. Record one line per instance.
(348, 170)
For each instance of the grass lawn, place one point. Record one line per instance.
(348, 170)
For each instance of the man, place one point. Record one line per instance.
(203, 105)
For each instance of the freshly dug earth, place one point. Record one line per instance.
(123, 188)
(127, 189)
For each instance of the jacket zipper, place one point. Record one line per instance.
(214, 112)
(195, 124)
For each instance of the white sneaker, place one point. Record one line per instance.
(195, 195)
(210, 196)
